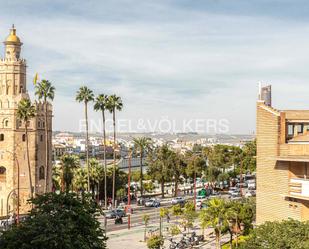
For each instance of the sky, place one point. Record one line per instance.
(189, 64)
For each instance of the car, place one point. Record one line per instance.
(152, 203)
(250, 194)
(232, 190)
(110, 214)
(120, 212)
(178, 200)
(199, 201)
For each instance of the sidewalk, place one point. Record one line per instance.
(133, 238)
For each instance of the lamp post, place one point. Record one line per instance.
(129, 189)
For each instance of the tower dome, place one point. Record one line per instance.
(12, 38)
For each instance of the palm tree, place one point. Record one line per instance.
(96, 172)
(68, 164)
(45, 91)
(214, 216)
(141, 144)
(101, 103)
(25, 112)
(84, 94)
(114, 104)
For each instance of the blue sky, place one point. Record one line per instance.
(181, 59)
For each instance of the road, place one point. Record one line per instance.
(136, 218)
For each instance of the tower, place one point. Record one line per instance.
(13, 147)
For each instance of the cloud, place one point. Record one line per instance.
(182, 59)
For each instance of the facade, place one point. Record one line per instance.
(282, 163)
(13, 88)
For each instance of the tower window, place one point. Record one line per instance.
(41, 173)
(39, 124)
(1, 137)
(6, 123)
(24, 137)
(43, 124)
(41, 138)
(2, 174)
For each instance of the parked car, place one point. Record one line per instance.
(250, 194)
(200, 200)
(232, 190)
(110, 214)
(152, 203)
(120, 212)
(178, 200)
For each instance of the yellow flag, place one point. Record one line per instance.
(35, 79)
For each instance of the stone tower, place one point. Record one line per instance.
(13, 88)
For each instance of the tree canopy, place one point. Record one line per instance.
(57, 221)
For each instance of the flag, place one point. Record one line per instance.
(35, 79)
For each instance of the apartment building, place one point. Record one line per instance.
(282, 161)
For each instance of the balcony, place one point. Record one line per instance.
(299, 188)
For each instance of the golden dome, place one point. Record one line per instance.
(12, 38)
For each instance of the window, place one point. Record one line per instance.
(41, 173)
(43, 124)
(41, 138)
(6, 123)
(39, 124)
(24, 137)
(300, 128)
(290, 130)
(1, 137)
(2, 174)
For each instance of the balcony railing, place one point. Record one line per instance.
(299, 188)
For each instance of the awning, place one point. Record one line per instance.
(293, 158)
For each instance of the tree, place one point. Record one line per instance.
(159, 165)
(176, 211)
(178, 168)
(101, 104)
(85, 95)
(57, 221)
(25, 112)
(68, 164)
(45, 91)
(215, 217)
(146, 219)
(249, 156)
(141, 144)
(189, 215)
(286, 234)
(96, 174)
(114, 104)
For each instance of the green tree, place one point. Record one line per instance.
(68, 164)
(141, 144)
(114, 104)
(176, 211)
(146, 219)
(189, 215)
(45, 91)
(159, 165)
(80, 180)
(25, 112)
(178, 168)
(101, 103)
(287, 234)
(215, 217)
(57, 221)
(249, 156)
(96, 175)
(85, 95)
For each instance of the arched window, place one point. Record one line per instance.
(24, 137)
(1, 137)
(42, 173)
(41, 138)
(2, 174)
(39, 124)
(6, 123)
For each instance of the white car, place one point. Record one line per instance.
(178, 200)
(199, 201)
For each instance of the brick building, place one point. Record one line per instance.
(282, 162)
(13, 88)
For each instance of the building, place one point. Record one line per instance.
(13, 88)
(282, 163)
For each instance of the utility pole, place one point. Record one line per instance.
(129, 188)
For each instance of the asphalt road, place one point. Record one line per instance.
(136, 218)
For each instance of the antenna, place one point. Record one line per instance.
(260, 90)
